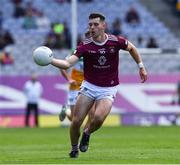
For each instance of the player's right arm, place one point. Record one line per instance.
(71, 60)
(65, 64)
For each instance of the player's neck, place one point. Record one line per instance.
(100, 38)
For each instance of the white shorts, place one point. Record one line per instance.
(72, 97)
(96, 92)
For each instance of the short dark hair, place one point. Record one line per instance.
(97, 15)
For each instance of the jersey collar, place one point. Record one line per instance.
(102, 43)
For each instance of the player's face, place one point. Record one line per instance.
(96, 27)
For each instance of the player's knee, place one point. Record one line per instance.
(98, 119)
(76, 122)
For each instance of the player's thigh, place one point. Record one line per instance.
(103, 108)
(92, 111)
(82, 107)
(72, 97)
(72, 109)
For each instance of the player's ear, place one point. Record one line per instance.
(105, 25)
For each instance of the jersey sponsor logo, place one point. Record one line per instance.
(102, 51)
(102, 67)
(111, 50)
(92, 51)
(102, 60)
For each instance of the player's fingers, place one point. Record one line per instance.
(143, 75)
(143, 78)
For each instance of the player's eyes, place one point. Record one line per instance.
(91, 24)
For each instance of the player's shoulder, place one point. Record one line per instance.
(112, 37)
(86, 41)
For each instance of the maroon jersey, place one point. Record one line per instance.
(101, 60)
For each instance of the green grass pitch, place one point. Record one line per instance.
(109, 145)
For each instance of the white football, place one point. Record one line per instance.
(42, 55)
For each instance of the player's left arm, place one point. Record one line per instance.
(136, 56)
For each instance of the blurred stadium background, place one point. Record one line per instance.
(27, 24)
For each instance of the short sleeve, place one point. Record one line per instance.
(123, 42)
(79, 51)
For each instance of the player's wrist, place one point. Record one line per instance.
(52, 61)
(140, 65)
